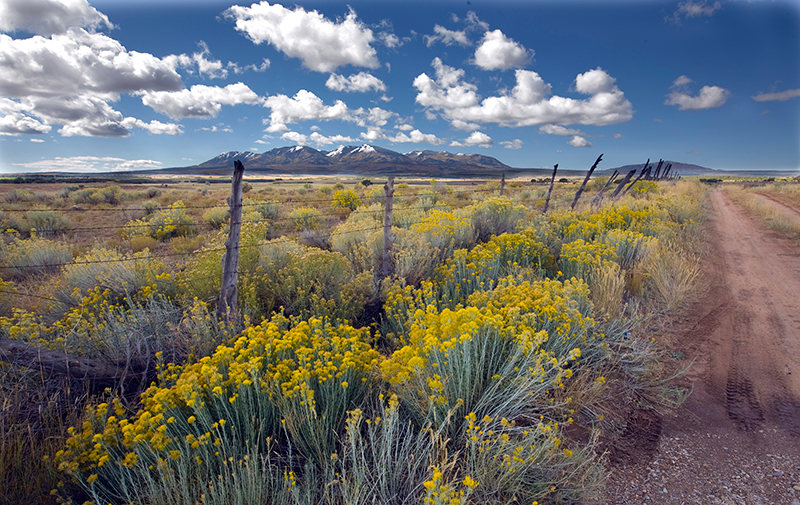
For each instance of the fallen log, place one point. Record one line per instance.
(48, 361)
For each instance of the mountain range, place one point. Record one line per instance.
(362, 160)
(368, 160)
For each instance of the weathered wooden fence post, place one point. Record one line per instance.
(387, 261)
(645, 171)
(550, 191)
(657, 174)
(502, 184)
(230, 260)
(583, 186)
(598, 198)
(622, 184)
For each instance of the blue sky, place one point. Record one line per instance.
(118, 85)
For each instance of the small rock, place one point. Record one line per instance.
(777, 473)
(796, 488)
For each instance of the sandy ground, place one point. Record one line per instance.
(736, 440)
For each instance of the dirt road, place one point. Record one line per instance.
(737, 438)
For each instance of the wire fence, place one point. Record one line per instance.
(327, 199)
(134, 257)
(374, 215)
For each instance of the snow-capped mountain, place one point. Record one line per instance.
(365, 158)
(228, 158)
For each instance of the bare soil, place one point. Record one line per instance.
(736, 440)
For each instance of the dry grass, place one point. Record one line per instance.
(772, 215)
(672, 276)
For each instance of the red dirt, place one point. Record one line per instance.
(737, 438)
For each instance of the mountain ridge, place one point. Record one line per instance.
(367, 159)
(363, 159)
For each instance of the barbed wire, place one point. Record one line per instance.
(222, 204)
(130, 225)
(167, 255)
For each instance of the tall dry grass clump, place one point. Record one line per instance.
(672, 276)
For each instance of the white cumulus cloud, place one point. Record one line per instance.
(323, 140)
(512, 144)
(552, 129)
(15, 123)
(199, 100)
(296, 137)
(306, 106)
(447, 37)
(710, 97)
(360, 82)
(578, 141)
(72, 78)
(476, 138)
(414, 136)
(79, 62)
(322, 45)
(464, 125)
(498, 52)
(49, 17)
(205, 66)
(529, 103)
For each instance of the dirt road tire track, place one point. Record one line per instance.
(737, 437)
(763, 343)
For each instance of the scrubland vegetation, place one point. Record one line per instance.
(491, 367)
(774, 204)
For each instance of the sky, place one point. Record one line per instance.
(112, 85)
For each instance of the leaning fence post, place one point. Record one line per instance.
(230, 260)
(550, 191)
(588, 174)
(598, 198)
(387, 262)
(622, 184)
(502, 183)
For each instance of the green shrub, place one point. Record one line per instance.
(644, 188)
(164, 224)
(306, 218)
(495, 216)
(112, 271)
(307, 281)
(346, 199)
(360, 237)
(202, 276)
(34, 256)
(149, 207)
(217, 217)
(110, 194)
(22, 195)
(46, 223)
(267, 210)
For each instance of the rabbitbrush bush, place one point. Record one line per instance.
(35, 256)
(117, 274)
(163, 224)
